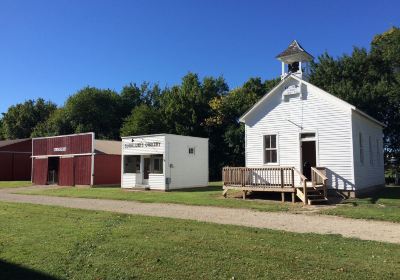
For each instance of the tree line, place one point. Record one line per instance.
(368, 79)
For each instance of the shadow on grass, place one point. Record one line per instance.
(14, 271)
(202, 189)
(389, 192)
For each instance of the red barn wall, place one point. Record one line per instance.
(73, 144)
(16, 162)
(6, 166)
(107, 169)
(22, 167)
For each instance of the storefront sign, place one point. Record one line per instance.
(142, 145)
(60, 149)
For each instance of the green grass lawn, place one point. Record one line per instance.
(14, 184)
(385, 206)
(45, 242)
(210, 196)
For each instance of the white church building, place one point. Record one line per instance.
(321, 140)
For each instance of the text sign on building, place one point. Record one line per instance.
(144, 144)
(60, 149)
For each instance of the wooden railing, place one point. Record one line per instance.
(273, 177)
(303, 185)
(318, 178)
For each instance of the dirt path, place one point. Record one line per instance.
(301, 223)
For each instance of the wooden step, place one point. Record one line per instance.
(313, 201)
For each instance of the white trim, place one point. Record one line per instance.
(64, 155)
(56, 136)
(161, 134)
(92, 165)
(315, 140)
(277, 149)
(32, 162)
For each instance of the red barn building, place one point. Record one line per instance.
(76, 159)
(15, 160)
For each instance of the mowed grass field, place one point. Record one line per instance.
(14, 184)
(208, 196)
(43, 242)
(385, 205)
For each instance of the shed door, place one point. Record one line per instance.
(66, 172)
(40, 168)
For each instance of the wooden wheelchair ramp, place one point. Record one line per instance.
(277, 179)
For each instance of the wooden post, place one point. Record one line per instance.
(305, 191)
(244, 194)
(283, 196)
(282, 180)
(293, 177)
(293, 198)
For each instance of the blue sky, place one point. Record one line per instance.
(51, 49)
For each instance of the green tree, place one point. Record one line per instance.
(368, 80)
(143, 120)
(57, 124)
(20, 119)
(96, 110)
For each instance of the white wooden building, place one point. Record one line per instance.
(301, 126)
(164, 162)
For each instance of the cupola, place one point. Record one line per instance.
(295, 60)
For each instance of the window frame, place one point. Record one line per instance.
(137, 170)
(361, 148)
(191, 148)
(160, 158)
(270, 149)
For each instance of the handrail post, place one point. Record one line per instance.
(241, 177)
(282, 180)
(305, 191)
(293, 177)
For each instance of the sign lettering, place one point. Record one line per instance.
(60, 149)
(142, 145)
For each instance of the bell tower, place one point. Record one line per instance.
(295, 60)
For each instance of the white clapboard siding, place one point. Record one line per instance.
(371, 172)
(308, 112)
(188, 170)
(128, 180)
(156, 181)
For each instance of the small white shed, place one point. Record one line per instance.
(164, 162)
(302, 126)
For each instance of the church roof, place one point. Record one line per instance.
(294, 49)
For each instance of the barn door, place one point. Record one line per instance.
(66, 172)
(40, 168)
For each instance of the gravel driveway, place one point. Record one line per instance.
(301, 223)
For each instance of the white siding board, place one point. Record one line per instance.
(367, 175)
(311, 113)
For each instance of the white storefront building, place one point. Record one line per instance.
(164, 162)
